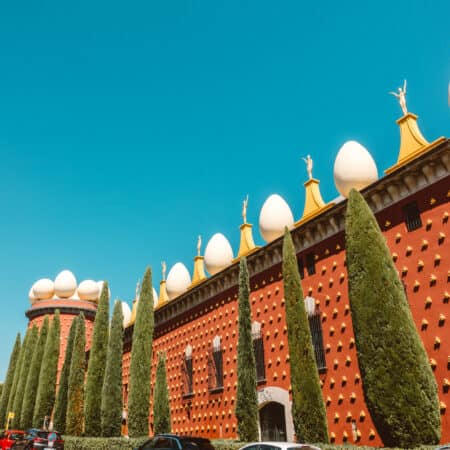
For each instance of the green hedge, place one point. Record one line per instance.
(88, 443)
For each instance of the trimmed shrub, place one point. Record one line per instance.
(59, 416)
(141, 358)
(247, 400)
(13, 360)
(308, 408)
(45, 397)
(28, 352)
(111, 407)
(161, 405)
(399, 386)
(29, 400)
(75, 394)
(96, 366)
(91, 443)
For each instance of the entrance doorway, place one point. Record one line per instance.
(273, 422)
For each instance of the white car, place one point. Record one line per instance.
(278, 446)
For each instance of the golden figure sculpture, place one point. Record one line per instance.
(244, 209)
(309, 165)
(401, 96)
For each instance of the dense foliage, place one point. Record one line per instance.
(59, 416)
(13, 360)
(28, 352)
(141, 357)
(161, 404)
(96, 367)
(45, 397)
(75, 394)
(29, 400)
(247, 400)
(308, 408)
(111, 405)
(399, 386)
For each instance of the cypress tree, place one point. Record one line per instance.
(96, 367)
(247, 400)
(29, 400)
(161, 404)
(75, 395)
(13, 360)
(111, 407)
(28, 352)
(59, 416)
(141, 357)
(45, 397)
(308, 408)
(399, 386)
(18, 373)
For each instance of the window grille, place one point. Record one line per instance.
(258, 349)
(315, 325)
(215, 366)
(301, 267)
(412, 216)
(310, 264)
(187, 372)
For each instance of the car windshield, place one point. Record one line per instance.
(16, 435)
(50, 435)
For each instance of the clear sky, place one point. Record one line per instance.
(128, 128)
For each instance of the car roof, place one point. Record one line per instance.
(181, 437)
(277, 443)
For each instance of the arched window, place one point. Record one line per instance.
(258, 348)
(215, 366)
(187, 370)
(315, 326)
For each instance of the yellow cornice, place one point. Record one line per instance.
(314, 204)
(199, 271)
(412, 142)
(163, 296)
(247, 244)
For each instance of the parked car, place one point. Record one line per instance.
(174, 442)
(278, 446)
(9, 439)
(42, 440)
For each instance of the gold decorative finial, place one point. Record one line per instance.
(164, 268)
(138, 288)
(199, 269)
(309, 166)
(401, 96)
(244, 209)
(314, 203)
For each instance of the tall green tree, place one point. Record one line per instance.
(308, 408)
(13, 360)
(141, 357)
(29, 400)
(247, 400)
(112, 403)
(75, 395)
(18, 372)
(399, 386)
(161, 404)
(28, 352)
(45, 396)
(59, 416)
(96, 367)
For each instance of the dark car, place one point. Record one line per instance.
(9, 439)
(174, 442)
(42, 440)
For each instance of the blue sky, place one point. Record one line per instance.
(128, 128)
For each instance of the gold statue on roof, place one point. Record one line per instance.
(199, 245)
(244, 209)
(401, 96)
(138, 288)
(309, 165)
(164, 268)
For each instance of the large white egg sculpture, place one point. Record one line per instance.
(274, 216)
(31, 295)
(126, 312)
(218, 254)
(155, 297)
(178, 280)
(65, 284)
(43, 289)
(354, 167)
(88, 290)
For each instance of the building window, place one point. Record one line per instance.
(215, 366)
(315, 326)
(301, 267)
(258, 349)
(187, 369)
(310, 264)
(412, 216)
